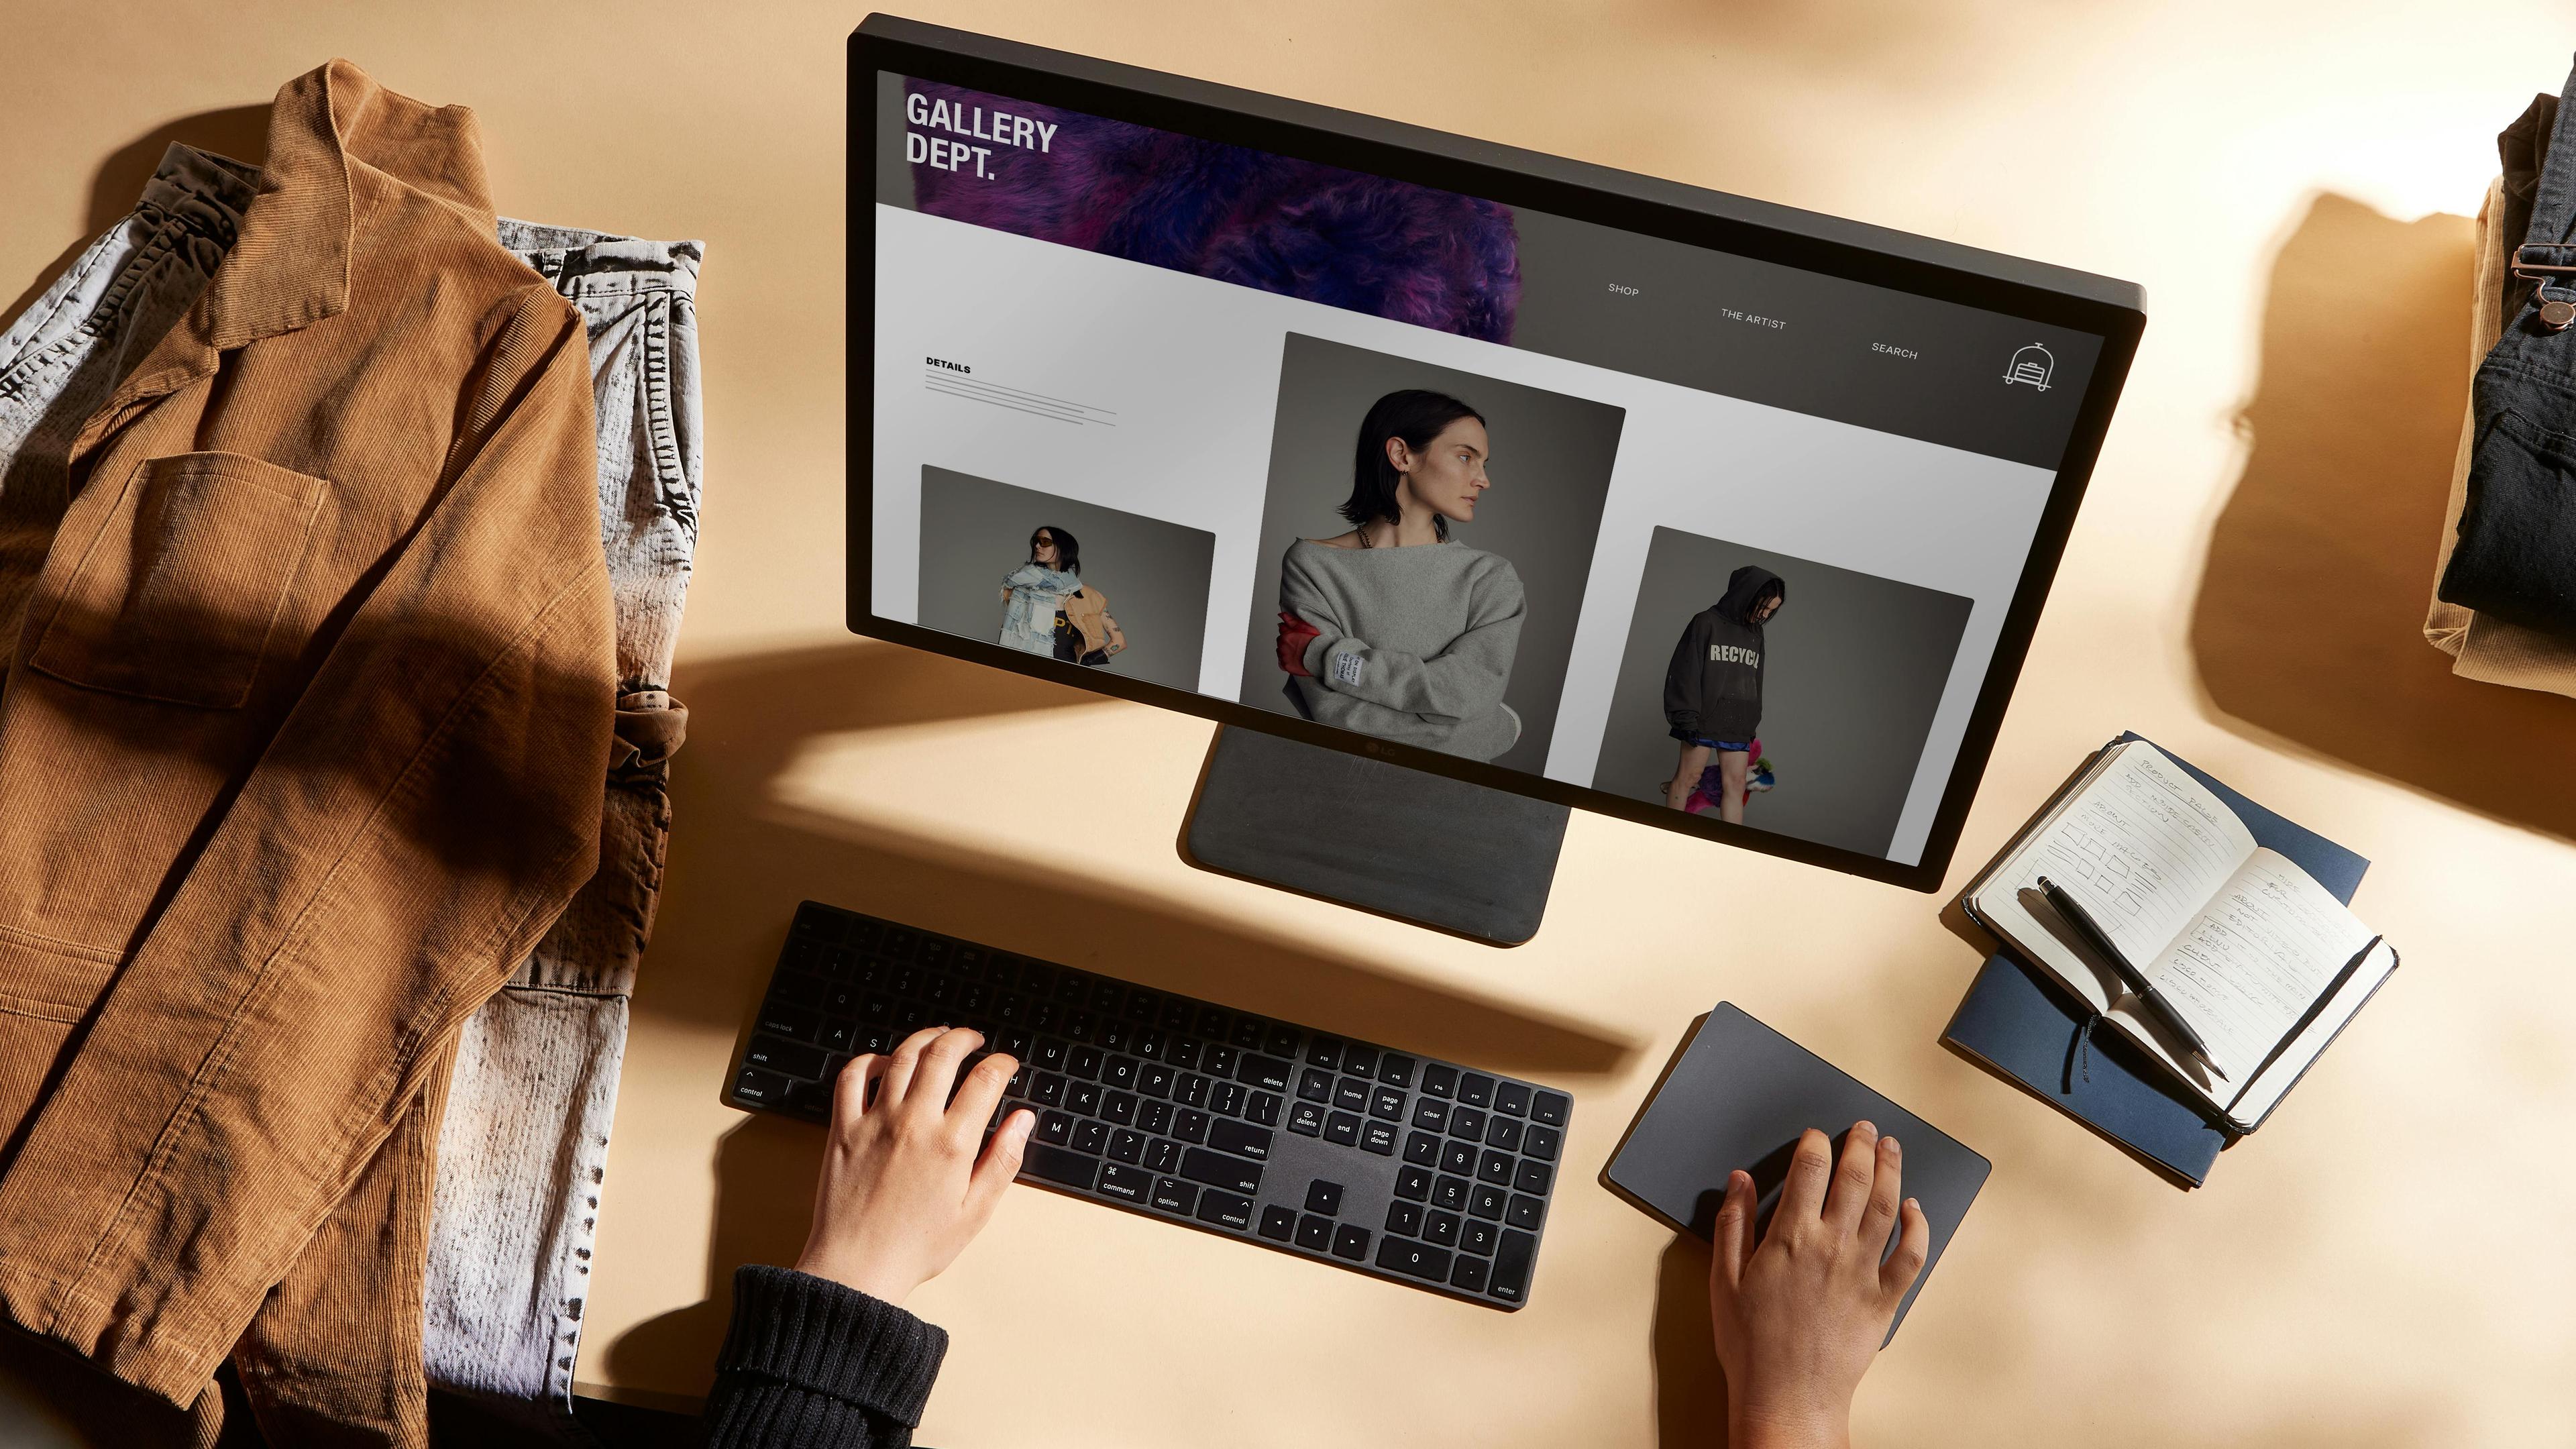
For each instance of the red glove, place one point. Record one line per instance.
(1294, 635)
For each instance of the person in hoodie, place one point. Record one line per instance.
(1713, 688)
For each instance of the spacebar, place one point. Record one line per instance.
(1055, 1164)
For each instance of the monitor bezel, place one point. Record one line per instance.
(2111, 310)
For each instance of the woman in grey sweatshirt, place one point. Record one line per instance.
(1391, 629)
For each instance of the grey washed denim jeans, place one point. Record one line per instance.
(524, 1144)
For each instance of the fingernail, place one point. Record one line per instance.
(1864, 1126)
(1914, 1203)
(1894, 1149)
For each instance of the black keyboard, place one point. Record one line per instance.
(1420, 1171)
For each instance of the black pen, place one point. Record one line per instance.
(2073, 913)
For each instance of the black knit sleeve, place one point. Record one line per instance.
(809, 1364)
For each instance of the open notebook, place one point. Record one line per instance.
(2262, 961)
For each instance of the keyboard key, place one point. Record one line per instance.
(760, 1087)
(1413, 1183)
(1084, 1062)
(1467, 1122)
(1450, 1193)
(1151, 1043)
(1126, 1145)
(793, 1058)
(1495, 1168)
(1486, 1202)
(1163, 1155)
(1440, 1081)
(1525, 1212)
(900, 941)
(1422, 1149)
(1192, 1126)
(1115, 1035)
(1014, 1042)
(1213, 1022)
(1324, 1197)
(1083, 1098)
(1441, 1228)
(1379, 1138)
(1127, 1184)
(1090, 1137)
(1315, 1233)
(1549, 1107)
(1360, 1061)
(1504, 1133)
(1155, 1117)
(1055, 1127)
(1387, 1104)
(1533, 1177)
(1154, 1079)
(801, 990)
(1247, 1032)
(1512, 1097)
(1342, 1130)
(1314, 1085)
(1394, 1070)
(1120, 1072)
(1218, 1170)
(1050, 1053)
(1184, 1053)
(1281, 1040)
(1119, 1107)
(1351, 1095)
(1417, 1260)
(1540, 1142)
(1306, 1119)
(1277, 1223)
(1057, 1165)
(1476, 1237)
(1476, 1089)
(792, 1022)
(840, 1034)
(1458, 1157)
(1176, 1014)
(1469, 1273)
(1264, 1109)
(1351, 1241)
(1404, 1217)
(1105, 996)
(1218, 1061)
(1227, 1098)
(1243, 1140)
(1431, 1115)
(1192, 1091)
(1175, 1196)
(1324, 1052)
(1270, 1074)
(1512, 1266)
(1144, 1008)
(1225, 1209)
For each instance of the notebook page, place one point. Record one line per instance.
(2250, 964)
(2143, 846)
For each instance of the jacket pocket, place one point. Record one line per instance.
(179, 592)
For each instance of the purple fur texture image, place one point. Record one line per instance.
(1365, 243)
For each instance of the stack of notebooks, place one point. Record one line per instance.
(2237, 916)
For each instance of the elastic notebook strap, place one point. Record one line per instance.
(2079, 1056)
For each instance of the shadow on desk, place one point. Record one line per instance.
(740, 861)
(2310, 619)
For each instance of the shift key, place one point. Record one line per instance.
(1218, 1170)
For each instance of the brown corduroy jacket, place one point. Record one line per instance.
(302, 747)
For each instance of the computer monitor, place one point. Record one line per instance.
(1711, 473)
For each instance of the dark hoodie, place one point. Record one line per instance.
(1714, 687)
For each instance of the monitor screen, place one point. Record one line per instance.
(1558, 498)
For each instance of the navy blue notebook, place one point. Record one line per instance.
(2022, 1025)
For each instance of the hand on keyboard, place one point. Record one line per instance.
(903, 1190)
(1800, 1317)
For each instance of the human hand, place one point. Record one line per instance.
(902, 1190)
(1294, 635)
(1799, 1318)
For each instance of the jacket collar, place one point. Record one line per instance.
(290, 265)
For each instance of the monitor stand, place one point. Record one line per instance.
(1419, 847)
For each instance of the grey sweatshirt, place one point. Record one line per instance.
(1416, 643)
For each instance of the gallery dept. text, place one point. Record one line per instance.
(999, 127)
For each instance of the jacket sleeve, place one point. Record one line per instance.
(422, 816)
(810, 1364)
(1462, 681)
(1685, 676)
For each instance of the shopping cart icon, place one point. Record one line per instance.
(2031, 365)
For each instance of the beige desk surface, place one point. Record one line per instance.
(2385, 1264)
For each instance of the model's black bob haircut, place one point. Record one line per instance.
(1417, 415)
